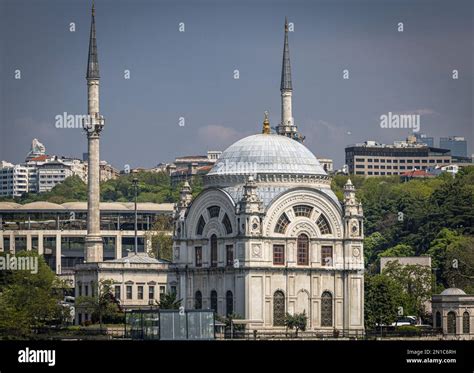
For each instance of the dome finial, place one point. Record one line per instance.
(266, 124)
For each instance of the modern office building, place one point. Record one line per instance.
(58, 231)
(422, 138)
(374, 159)
(457, 145)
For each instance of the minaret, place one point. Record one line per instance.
(287, 126)
(93, 126)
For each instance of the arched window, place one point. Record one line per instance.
(278, 308)
(227, 224)
(213, 211)
(198, 300)
(323, 225)
(213, 250)
(229, 303)
(466, 324)
(451, 323)
(200, 225)
(303, 210)
(438, 320)
(326, 309)
(214, 301)
(282, 223)
(303, 250)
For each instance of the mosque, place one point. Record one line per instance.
(265, 237)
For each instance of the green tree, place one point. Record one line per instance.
(438, 251)
(382, 299)
(103, 306)
(416, 282)
(30, 301)
(169, 301)
(298, 321)
(399, 250)
(459, 265)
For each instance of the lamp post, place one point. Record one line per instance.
(135, 185)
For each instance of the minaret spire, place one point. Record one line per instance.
(286, 66)
(287, 126)
(93, 61)
(93, 127)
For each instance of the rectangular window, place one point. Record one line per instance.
(229, 249)
(326, 256)
(359, 172)
(198, 256)
(402, 167)
(409, 160)
(370, 173)
(129, 291)
(432, 161)
(117, 292)
(162, 290)
(140, 292)
(151, 292)
(173, 290)
(369, 160)
(402, 161)
(86, 290)
(370, 166)
(279, 254)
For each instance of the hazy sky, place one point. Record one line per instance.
(191, 74)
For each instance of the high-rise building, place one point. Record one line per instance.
(374, 159)
(457, 145)
(422, 138)
(13, 180)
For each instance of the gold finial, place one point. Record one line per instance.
(266, 125)
(286, 24)
(93, 8)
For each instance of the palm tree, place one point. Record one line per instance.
(169, 301)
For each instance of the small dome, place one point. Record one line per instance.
(453, 291)
(267, 154)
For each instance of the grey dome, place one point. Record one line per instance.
(453, 291)
(267, 154)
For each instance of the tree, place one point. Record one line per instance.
(161, 240)
(382, 299)
(30, 301)
(416, 283)
(438, 251)
(399, 250)
(169, 301)
(298, 321)
(103, 305)
(459, 265)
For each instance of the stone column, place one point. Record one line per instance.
(93, 240)
(286, 109)
(58, 254)
(40, 243)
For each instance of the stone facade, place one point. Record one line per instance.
(236, 254)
